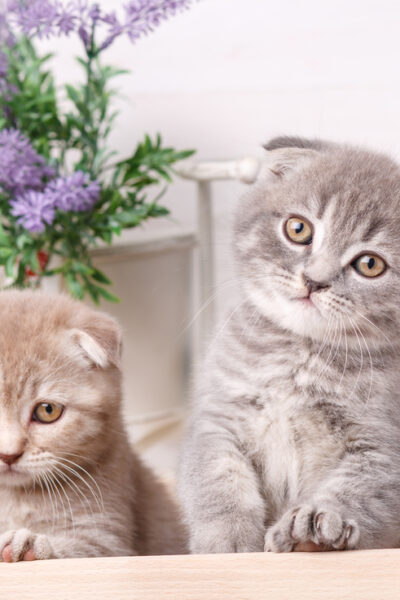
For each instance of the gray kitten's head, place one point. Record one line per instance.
(318, 239)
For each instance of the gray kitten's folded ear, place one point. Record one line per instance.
(296, 142)
(98, 340)
(288, 155)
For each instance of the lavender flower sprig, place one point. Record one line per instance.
(45, 18)
(74, 193)
(23, 175)
(33, 211)
(21, 167)
(3, 73)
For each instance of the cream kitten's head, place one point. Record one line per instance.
(59, 387)
(318, 240)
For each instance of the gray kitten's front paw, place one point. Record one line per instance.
(220, 537)
(326, 528)
(22, 544)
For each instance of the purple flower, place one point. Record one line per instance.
(142, 16)
(3, 65)
(94, 12)
(74, 192)
(7, 90)
(85, 37)
(6, 36)
(114, 29)
(53, 17)
(21, 167)
(33, 210)
(65, 21)
(35, 17)
(3, 73)
(43, 17)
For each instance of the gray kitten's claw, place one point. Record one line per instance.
(332, 530)
(279, 537)
(23, 544)
(326, 528)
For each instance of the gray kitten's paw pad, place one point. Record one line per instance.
(279, 537)
(294, 526)
(332, 530)
(306, 524)
(23, 544)
(302, 524)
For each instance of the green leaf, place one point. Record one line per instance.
(158, 211)
(99, 276)
(5, 252)
(30, 259)
(108, 295)
(93, 294)
(82, 62)
(23, 240)
(4, 238)
(73, 94)
(9, 266)
(128, 218)
(74, 286)
(80, 267)
(106, 236)
(164, 173)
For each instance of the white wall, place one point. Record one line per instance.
(226, 75)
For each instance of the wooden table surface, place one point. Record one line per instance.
(366, 575)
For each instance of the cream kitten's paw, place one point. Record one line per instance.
(22, 544)
(326, 528)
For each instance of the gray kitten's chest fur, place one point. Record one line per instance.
(296, 408)
(290, 450)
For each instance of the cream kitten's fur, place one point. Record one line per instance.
(73, 487)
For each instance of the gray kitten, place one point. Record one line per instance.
(294, 437)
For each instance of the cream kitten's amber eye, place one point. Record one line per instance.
(369, 265)
(298, 230)
(47, 412)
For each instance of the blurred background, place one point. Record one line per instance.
(223, 78)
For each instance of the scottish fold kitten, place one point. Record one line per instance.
(70, 485)
(294, 438)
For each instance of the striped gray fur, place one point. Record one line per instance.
(294, 434)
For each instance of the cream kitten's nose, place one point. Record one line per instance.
(9, 459)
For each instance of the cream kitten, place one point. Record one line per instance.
(70, 484)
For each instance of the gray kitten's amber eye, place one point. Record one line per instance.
(298, 230)
(369, 265)
(47, 412)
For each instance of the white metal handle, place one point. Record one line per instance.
(244, 169)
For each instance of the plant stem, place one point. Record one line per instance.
(89, 125)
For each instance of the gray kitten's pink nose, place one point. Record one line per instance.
(9, 459)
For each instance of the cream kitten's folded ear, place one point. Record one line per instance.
(98, 339)
(290, 155)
